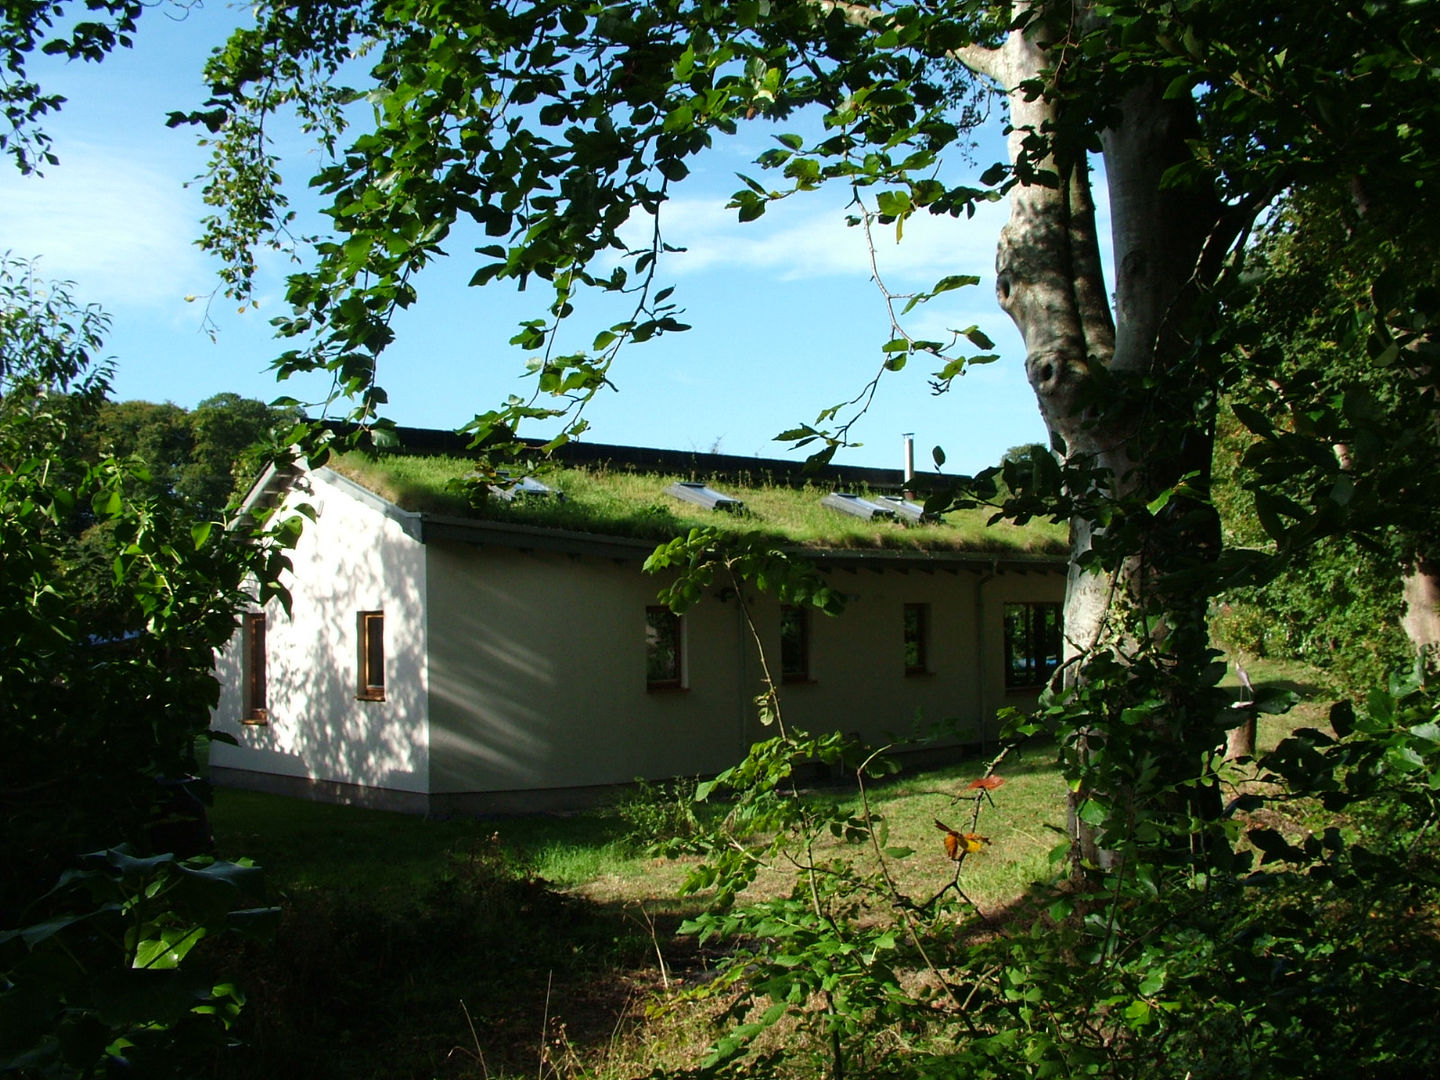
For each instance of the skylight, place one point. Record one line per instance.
(910, 512)
(704, 495)
(526, 487)
(854, 505)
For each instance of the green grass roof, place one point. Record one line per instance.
(626, 502)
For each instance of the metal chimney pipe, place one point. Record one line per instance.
(909, 438)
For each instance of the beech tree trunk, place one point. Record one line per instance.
(1049, 281)
(1421, 620)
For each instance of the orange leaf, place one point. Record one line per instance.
(987, 783)
(958, 845)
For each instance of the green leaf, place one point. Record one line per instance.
(960, 281)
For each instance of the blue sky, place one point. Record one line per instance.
(786, 318)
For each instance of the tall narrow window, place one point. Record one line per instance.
(1032, 644)
(372, 656)
(917, 639)
(664, 649)
(256, 711)
(794, 644)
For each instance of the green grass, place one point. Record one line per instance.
(311, 846)
(628, 503)
(546, 924)
(546, 945)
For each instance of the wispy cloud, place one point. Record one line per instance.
(798, 240)
(121, 229)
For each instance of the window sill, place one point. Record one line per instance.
(258, 718)
(370, 696)
(666, 688)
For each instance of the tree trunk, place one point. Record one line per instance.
(1049, 281)
(1422, 610)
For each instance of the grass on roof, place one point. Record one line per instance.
(624, 502)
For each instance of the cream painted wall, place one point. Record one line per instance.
(538, 679)
(857, 660)
(356, 556)
(538, 675)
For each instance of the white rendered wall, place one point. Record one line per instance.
(357, 556)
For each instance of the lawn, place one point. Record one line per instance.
(546, 945)
(553, 935)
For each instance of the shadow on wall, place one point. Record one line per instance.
(318, 725)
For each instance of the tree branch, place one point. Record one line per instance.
(979, 59)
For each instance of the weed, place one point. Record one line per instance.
(654, 813)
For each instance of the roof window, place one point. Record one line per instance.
(527, 487)
(848, 503)
(704, 495)
(912, 513)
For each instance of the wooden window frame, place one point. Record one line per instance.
(801, 672)
(370, 668)
(674, 677)
(256, 707)
(921, 625)
(1030, 659)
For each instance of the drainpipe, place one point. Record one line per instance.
(985, 710)
(746, 693)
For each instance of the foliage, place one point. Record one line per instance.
(115, 598)
(1304, 956)
(203, 456)
(658, 812)
(26, 28)
(111, 982)
(1345, 416)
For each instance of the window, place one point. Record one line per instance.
(664, 649)
(254, 661)
(1032, 643)
(917, 639)
(372, 656)
(794, 644)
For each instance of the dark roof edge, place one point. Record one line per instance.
(541, 538)
(651, 459)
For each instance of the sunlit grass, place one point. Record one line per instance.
(624, 502)
(317, 846)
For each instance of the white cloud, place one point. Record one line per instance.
(120, 228)
(800, 240)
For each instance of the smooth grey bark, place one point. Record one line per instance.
(1421, 621)
(1050, 282)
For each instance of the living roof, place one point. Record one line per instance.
(626, 501)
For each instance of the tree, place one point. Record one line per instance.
(115, 598)
(546, 125)
(200, 455)
(1348, 432)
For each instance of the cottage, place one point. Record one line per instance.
(445, 661)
